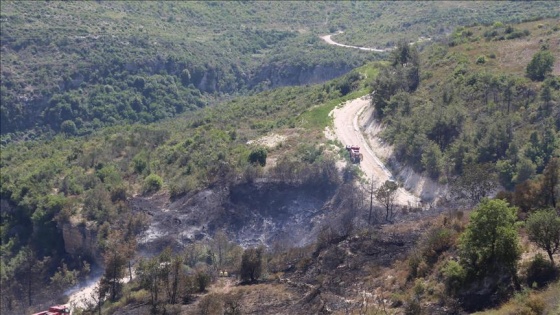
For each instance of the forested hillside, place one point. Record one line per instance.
(75, 67)
(117, 114)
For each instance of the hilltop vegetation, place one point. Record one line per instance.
(485, 104)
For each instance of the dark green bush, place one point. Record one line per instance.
(258, 156)
(540, 272)
(455, 277)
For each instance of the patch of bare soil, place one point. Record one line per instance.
(269, 141)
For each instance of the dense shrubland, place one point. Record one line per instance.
(120, 63)
(466, 113)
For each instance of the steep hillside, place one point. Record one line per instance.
(54, 189)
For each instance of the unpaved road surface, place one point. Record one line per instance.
(348, 131)
(328, 39)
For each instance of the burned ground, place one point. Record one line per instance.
(252, 213)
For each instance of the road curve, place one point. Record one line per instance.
(347, 130)
(328, 40)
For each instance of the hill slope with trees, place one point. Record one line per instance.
(475, 100)
(75, 67)
(480, 106)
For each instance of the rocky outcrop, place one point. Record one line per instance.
(81, 240)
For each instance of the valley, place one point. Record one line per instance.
(230, 158)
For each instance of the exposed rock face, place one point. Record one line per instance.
(81, 240)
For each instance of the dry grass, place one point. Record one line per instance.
(509, 56)
(266, 298)
(528, 303)
(512, 56)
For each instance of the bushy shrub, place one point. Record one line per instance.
(454, 275)
(438, 240)
(258, 156)
(140, 162)
(541, 65)
(152, 183)
(412, 307)
(202, 280)
(210, 304)
(68, 127)
(540, 271)
(251, 264)
(536, 304)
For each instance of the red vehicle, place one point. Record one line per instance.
(56, 310)
(355, 155)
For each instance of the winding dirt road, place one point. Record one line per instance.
(347, 130)
(328, 40)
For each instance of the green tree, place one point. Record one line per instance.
(68, 127)
(550, 183)
(490, 242)
(202, 279)
(527, 195)
(454, 277)
(258, 156)
(140, 162)
(477, 181)
(540, 65)
(115, 257)
(432, 160)
(148, 274)
(543, 228)
(220, 247)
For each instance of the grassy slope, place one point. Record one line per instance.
(510, 56)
